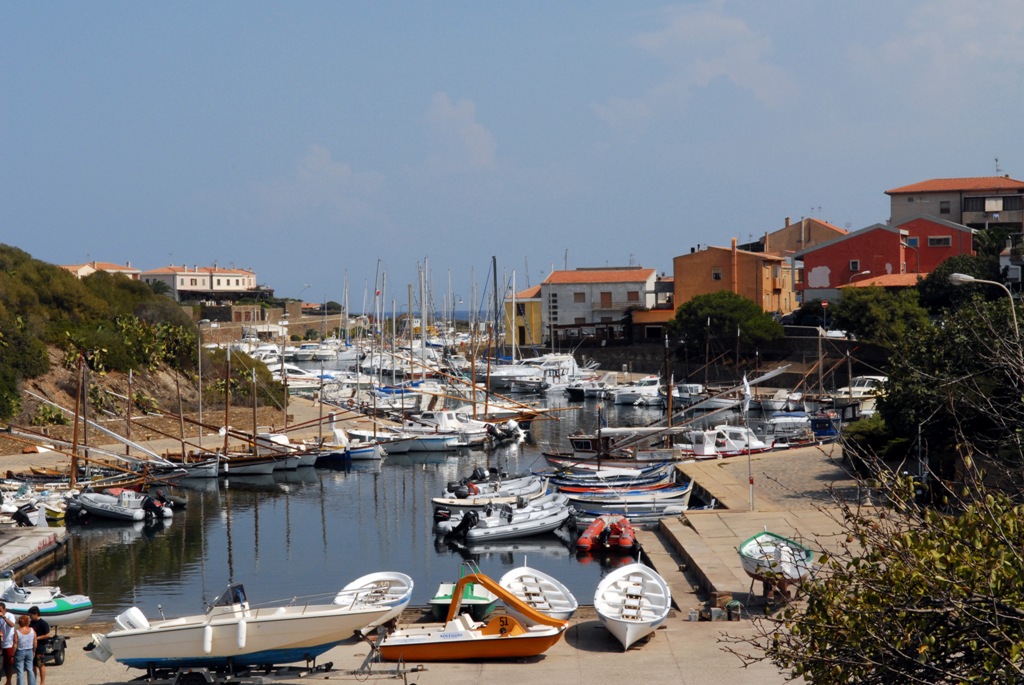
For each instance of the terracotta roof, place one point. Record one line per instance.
(100, 266)
(600, 276)
(887, 281)
(951, 185)
(529, 294)
(174, 269)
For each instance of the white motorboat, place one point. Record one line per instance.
(621, 501)
(469, 431)
(390, 589)
(646, 390)
(632, 601)
(233, 634)
(479, 494)
(57, 608)
(723, 441)
(541, 591)
(522, 518)
(126, 505)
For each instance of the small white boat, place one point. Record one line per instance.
(771, 557)
(523, 518)
(232, 634)
(479, 494)
(542, 592)
(54, 606)
(632, 601)
(389, 589)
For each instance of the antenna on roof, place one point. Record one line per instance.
(998, 170)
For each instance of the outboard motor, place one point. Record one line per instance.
(150, 506)
(492, 430)
(21, 516)
(30, 580)
(469, 519)
(604, 538)
(521, 502)
(442, 514)
(479, 474)
(461, 491)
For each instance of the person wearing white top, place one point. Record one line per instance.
(7, 625)
(25, 650)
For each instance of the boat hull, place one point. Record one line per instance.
(632, 601)
(451, 643)
(240, 638)
(541, 591)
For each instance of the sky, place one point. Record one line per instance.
(332, 146)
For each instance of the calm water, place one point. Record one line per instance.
(311, 531)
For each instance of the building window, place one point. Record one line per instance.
(579, 297)
(943, 206)
(855, 265)
(993, 204)
(606, 300)
(218, 281)
(974, 204)
(520, 309)
(236, 281)
(580, 320)
(606, 319)
(193, 281)
(940, 241)
(912, 242)
(1013, 203)
(633, 296)
(716, 274)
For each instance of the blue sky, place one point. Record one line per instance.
(319, 142)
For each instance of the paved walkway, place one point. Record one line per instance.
(792, 496)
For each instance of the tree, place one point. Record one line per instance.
(721, 315)
(912, 595)
(879, 316)
(928, 587)
(938, 294)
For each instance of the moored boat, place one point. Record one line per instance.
(611, 532)
(632, 601)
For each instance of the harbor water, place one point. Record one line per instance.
(308, 532)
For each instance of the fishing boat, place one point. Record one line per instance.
(632, 601)
(543, 592)
(611, 532)
(479, 494)
(773, 558)
(233, 634)
(619, 501)
(389, 589)
(476, 600)
(461, 637)
(523, 518)
(57, 608)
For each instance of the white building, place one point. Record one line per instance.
(593, 302)
(205, 282)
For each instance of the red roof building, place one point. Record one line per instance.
(980, 202)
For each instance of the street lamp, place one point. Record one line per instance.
(917, 254)
(965, 279)
(199, 345)
(866, 272)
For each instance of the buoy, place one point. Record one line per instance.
(207, 639)
(241, 633)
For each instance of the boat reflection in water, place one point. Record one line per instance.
(359, 519)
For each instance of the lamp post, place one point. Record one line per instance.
(199, 346)
(965, 279)
(917, 254)
(866, 272)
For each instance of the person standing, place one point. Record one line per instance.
(25, 649)
(8, 625)
(42, 630)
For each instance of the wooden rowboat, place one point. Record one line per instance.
(632, 601)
